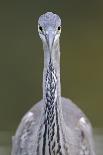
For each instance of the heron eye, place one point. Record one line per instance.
(40, 28)
(59, 27)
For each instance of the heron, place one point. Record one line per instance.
(55, 125)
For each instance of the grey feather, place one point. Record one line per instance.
(55, 125)
(72, 115)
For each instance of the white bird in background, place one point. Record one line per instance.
(55, 125)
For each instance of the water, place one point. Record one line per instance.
(5, 142)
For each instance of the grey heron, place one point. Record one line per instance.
(55, 125)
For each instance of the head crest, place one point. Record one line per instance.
(49, 19)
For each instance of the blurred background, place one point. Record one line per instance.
(21, 60)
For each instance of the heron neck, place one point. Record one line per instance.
(52, 118)
(51, 72)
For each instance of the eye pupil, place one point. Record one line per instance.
(59, 27)
(40, 28)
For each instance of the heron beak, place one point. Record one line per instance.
(50, 40)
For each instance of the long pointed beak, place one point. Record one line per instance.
(50, 40)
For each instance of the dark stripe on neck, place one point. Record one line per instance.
(58, 131)
(44, 137)
(51, 113)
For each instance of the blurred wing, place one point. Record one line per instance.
(25, 134)
(77, 121)
(87, 144)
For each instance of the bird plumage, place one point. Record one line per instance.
(55, 125)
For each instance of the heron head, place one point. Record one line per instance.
(49, 28)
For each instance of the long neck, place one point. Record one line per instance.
(52, 67)
(52, 101)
